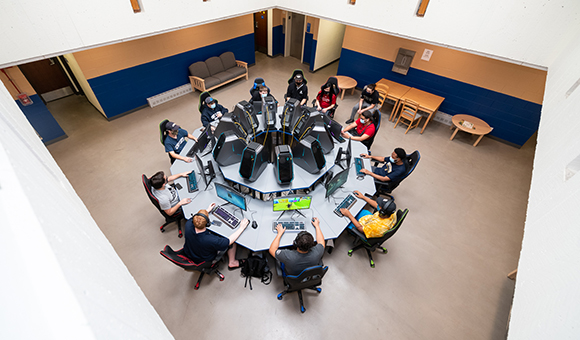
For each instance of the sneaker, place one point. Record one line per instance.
(349, 121)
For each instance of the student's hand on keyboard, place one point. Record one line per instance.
(280, 229)
(345, 212)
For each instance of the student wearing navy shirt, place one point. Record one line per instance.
(393, 171)
(203, 245)
(175, 141)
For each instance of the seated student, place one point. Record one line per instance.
(297, 88)
(167, 195)
(202, 245)
(175, 140)
(265, 92)
(394, 169)
(307, 253)
(369, 98)
(377, 224)
(364, 128)
(211, 112)
(255, 90)
(326, 100)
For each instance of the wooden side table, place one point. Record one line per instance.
(479, 128)
(345, 83)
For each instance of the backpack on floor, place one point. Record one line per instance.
(255, 266)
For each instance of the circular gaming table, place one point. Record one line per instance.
(265, 188)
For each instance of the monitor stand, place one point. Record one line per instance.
(293, 211)
(235, 208)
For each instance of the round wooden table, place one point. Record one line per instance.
(479, 128)
(345, 83)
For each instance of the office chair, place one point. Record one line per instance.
(371, 244)
(385, 188)
(202, 97)
(163, 136)
(409, 113)
(377, 121)
(309, 278)
(335, 90)
(177, 217)
(178, 258)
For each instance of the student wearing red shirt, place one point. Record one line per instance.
(364, 128)
(326, 100)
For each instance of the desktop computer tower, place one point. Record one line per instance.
(290, 108)
(231, 122)
(321, 133)
(270, 110)
(308, 155)
(283, 165)
(254, 161)
(300, 121)
(245, 111)
(228, 149)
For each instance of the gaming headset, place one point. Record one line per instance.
(386, 206)
(207, 221)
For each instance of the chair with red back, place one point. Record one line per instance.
(178, 258)
(177, 217)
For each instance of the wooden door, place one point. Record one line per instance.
(45, 75)
(297, 35)
(261, 31)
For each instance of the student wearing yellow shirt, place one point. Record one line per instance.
(377, 224)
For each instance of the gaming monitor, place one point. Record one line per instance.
(202, 169)
(335, 129)
(230, 195)
(204, 141)
(336, 182)
(291, 203)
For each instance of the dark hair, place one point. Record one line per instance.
(367, 114)
(371, 86)
(304, 241)
(401, 153)
(158, 180)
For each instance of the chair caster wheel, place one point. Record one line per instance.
(302, 309)
(196, 286)
(350, 253)
(280, 296)
(372, 264)
(180, 234)
(319, 290)
(162, 229)
(222, 277)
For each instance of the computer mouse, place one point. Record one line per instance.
(313, 220)
(254, 224)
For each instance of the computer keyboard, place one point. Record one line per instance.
(191, 182)
(347, 203)
(225, 216)
(358, 163)
(291, 226)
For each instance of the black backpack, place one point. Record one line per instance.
(255, 266)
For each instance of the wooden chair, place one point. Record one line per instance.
(383, 90)
(409, 113)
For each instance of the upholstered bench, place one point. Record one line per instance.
(216, 71)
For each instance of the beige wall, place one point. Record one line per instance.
(514, 80)
(18, 78)
(107, 59)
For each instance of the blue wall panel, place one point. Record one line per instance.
(307, 53)
(278, 39)
(128, 89)
(42, 120)
(514, 120)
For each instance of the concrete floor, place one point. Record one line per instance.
(443, 278)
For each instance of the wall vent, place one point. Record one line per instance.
(169, 95)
